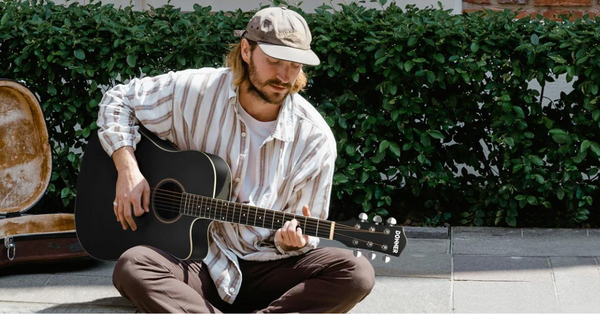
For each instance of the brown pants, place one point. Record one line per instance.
(322, 280)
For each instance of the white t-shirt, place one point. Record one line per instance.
(259, 131)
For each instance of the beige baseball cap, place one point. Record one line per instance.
(282, 34)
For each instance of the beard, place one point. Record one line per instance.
(258, 88)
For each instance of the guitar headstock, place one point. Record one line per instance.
(376, 236)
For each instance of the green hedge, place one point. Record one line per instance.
(413, 96)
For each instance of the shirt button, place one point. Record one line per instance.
(231, 289)
(237, 180)
(243, 134)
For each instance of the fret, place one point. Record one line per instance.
(317, 232)
(305, 220)
(264, 217)
(283, 220)
(213, 204)
(193, 209)
(255, 212)
(234, 213)
(201, 207)
(273, 220)
(247, 214)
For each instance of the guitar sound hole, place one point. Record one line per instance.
(167, 199)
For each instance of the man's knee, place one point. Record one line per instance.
(363, 275)
(358, 272)
(127, 272)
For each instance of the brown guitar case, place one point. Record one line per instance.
(25, 170)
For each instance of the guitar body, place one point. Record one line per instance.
(164, 167)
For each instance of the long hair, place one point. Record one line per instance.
(240, 71)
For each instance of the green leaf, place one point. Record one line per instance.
(408, 65)
(383, 146)
(536, 160)
(511, 221)
(560, 139)
(535, 40)
(340, 178)
(436, 134)
(532, 200)
(131, 60)
(504, 97)
(79, 54)
(439, 57)
(474, 47)
(560, 194)
(595, 149)
(395, 149)
(351, 150)
(557, 132)
(539, 178)
(509, 141)
(584, 146)
(519, 111)
(596, 115)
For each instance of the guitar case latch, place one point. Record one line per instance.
(11, 248)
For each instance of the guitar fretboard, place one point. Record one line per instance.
(221, 210)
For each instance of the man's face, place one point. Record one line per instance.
(271, 79)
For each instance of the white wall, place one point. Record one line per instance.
(246, 5)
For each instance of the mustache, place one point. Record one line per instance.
(278, 83)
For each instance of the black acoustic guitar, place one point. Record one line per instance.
(189, 190)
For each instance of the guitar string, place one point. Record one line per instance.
(217, 210)
(170, 206)
(308, 229)
(322, 234)
(254, 210)
(214, 211)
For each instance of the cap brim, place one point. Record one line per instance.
(307, 57)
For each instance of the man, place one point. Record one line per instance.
(281, 154)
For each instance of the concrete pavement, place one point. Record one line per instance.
(459, 269)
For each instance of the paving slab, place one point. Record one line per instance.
(416, 265)
(502, 268)
(525, 242)
(427, 233)
(577, 283)
(81, 289)
(407, 295)
(28, 307)
(504, 297)
(428, 258)
(22, 287)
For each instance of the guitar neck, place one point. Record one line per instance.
(221, 210)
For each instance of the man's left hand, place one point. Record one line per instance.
(290, 236)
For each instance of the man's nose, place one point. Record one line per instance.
(283, 72)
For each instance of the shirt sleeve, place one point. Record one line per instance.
(148, 100)
(314, 191)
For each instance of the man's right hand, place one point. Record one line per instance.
(132, 191)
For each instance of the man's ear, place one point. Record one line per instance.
(245, 51)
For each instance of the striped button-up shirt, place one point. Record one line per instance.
(199, 110)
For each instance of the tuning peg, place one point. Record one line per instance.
(377, 219)
(357, 253)
(363, 217)
(386, 259)
(391, 221)
(372, 255)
